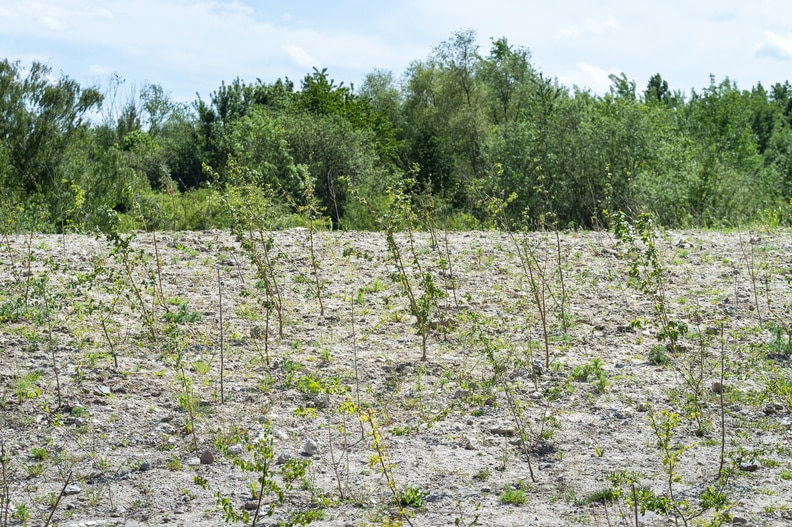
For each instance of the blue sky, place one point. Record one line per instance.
(191, 46)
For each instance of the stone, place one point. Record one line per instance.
(193, 462)
(773, 408)
(207, 458)
(505, 431)
(235, 449)
(461, 394)
(310, 447)
(71, 490)
(538, 367)
(277, 433)
(101, 389)
(283, 457)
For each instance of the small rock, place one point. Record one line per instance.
(71, 490)
(101, 389)
(469, 444)
(167, 428)
(435, 496)
(207, 458)
(193, 462)
(461, 394)
(736, 520)
(773, 408)
(310, 447)
(283, 457)
(538, 367)
(277, 433)
(749, 467)
(146, 465)
(235, 449)
(251, 505)
(504, 431)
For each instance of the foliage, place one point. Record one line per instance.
(272, 486)
(475, 123)
(647, 272)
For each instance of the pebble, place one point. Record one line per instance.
(207, 458)
(167, 428)
(538, 367)
(283, 457)
(71, 490)
(101, 390)
(749, 467)
(461, 394)
(277, 433)
(235, 449)
(310, 447)
(773, 408)
(193, 462)
(146, 465)
(505, 431)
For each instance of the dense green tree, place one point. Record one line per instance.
(464, 126)
(339, 157)
(446, 126)
(215, 119)
(39, 118)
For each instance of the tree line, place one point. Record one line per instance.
(456, 129)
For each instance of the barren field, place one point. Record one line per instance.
(155, 384)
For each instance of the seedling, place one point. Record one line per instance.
(513, 495)
(647, 272)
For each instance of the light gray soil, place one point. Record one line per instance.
(447, 431)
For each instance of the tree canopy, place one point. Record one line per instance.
(463, 125)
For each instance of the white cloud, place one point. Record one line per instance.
(99, 70)
(589, 27)
(775, 46)
(7, 13)
(300, 56)
(588, 76)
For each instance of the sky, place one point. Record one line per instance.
(190, 47)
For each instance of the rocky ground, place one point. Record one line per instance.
(133, 393)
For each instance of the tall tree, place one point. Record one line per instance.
(39, 119)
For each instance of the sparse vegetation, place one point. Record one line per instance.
(351, 423)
